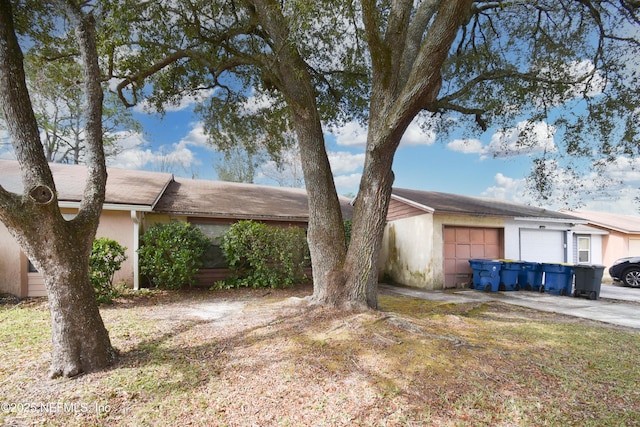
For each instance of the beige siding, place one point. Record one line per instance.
(118, 225)
(11, 265)
(36, 285)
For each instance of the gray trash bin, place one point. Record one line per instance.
(588, 280)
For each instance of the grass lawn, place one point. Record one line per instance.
(258, 358)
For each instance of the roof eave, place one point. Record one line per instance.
(235, 216)
(108, 206)
(412, 203)
(551, 219)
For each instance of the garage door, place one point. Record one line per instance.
(634, 247)
(464, 243)
(542, 245)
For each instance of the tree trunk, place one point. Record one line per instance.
(396, 98)
(58, 248)
(79, 338)
(325, 234)
(350, 280)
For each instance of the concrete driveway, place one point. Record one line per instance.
(617, 305)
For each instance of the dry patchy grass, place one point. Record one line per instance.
(245, 358)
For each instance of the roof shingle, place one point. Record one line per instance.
(477, 206)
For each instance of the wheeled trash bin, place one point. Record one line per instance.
(509, 273)
(558, 278)
(486, 274)
(530, 277)
(588, 280)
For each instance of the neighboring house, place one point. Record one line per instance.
(135, 200)
(430, 237)
(621, 234)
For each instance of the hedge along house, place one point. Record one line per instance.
(129, 196)
(135, 200)
(430, 237)
(213, 206)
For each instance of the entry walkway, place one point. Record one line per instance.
(609, 308)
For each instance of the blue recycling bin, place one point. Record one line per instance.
(558, 278)
(486, 274)
(530, 277)
(476, 266)
(509, 273)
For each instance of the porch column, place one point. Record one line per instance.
(136, 244)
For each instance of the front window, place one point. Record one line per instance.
(584, 249)
(213, 258)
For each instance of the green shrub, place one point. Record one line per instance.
(170, 255)
(106, 258)
(262, 256)
(347, 231)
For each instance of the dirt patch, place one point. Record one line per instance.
(256, 357)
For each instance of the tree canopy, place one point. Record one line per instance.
(270, 67)
(569, 65)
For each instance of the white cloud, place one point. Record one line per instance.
(348, 183)
(593, 86)
(525, 139)
(613, 189)
(350, 134)
(466, 146)
(626, 170)
(197, 136)
(186, 102)
(415, 135)
(507, 188)
(343, 161)
(258, 102)
(355, 134)
(168, 157)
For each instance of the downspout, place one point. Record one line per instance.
(136, 245)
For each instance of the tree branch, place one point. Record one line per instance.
(417, 28)
(17, 107)
(379, 52)
(136, 78)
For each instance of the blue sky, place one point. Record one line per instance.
(176, 143)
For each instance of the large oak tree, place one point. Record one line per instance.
(58, 248)
(383, 62)
(464, 63)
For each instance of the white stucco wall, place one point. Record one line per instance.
(406, 254)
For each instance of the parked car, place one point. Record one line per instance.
(627, 271)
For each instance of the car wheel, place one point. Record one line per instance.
(632, 277)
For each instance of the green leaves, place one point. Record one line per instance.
(106, 258)
(262, 256)
(171, 254)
